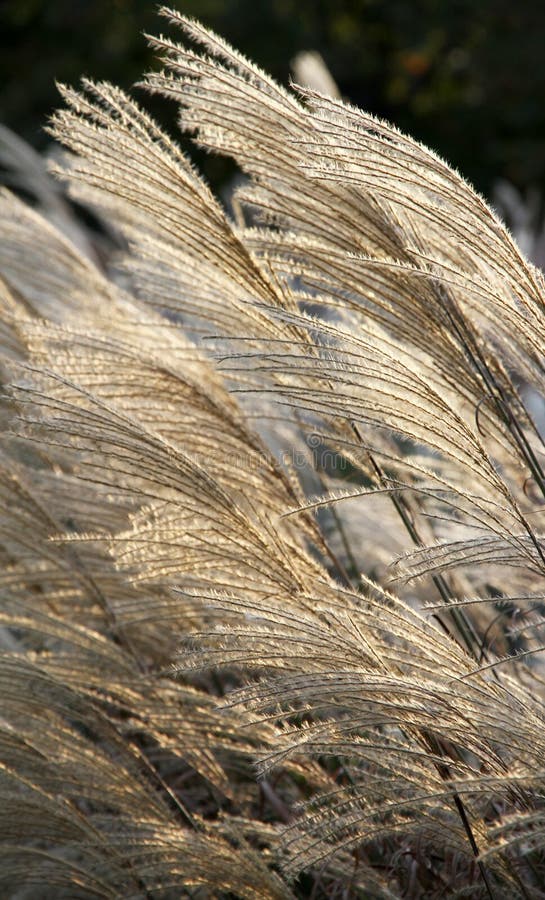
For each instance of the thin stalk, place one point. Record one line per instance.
(461, 621)
(495, 390)
(468, 636)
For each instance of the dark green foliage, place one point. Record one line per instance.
(466, 78)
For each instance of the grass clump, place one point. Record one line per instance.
(294, 455)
